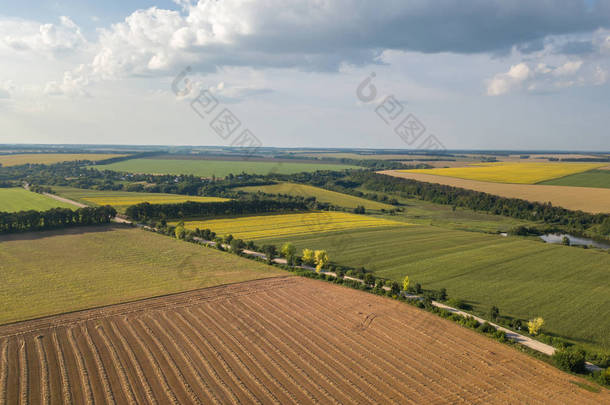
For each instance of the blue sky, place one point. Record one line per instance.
(477, 74)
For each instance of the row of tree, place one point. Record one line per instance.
(146, 211)
(23, 221)
(458, 197)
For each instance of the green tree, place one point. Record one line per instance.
(237, 245)
(270, 251)
(288, 250)
(369, 279)
(395, 288)
(494, 313)
(180, 232)
(570, 359)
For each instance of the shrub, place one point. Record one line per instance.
(457, 303)
(604, 377)
(500, 335)
(485, 327)
(570, 360)
(369, 279)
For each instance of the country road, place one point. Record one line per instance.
(117, 219)
(65, 200)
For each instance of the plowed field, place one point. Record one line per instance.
(282, 340)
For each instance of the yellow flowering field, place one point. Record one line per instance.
(120, 200)
(271, 226)
(511, 172)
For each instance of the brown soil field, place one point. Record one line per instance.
(588, 199)
(281, 340)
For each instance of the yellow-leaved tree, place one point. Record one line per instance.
(535, 325)
(321, 258)
(309, 257)
(405, 283)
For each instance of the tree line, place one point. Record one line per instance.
(24, 221)
(146, 211)
(576, 221)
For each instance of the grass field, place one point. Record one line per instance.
(218, 168)
(19, 199)
(46, 273)
(50, 158)
(254, 343)
(567, 286)
(428, 213)
(586, 199)
(282, 225)
(592, 178)
(512, 172)
(123, 199)
(322, 195)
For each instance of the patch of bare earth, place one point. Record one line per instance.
(588, 199)
(282, 340)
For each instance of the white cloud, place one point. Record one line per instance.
(568, 68)
(21, 35)
(504, 82)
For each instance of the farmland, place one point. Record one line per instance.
(322, 195)
(50, 158)
(217, 168)
(588, 199)
(592, 178)
(19, 199)
(567, 286)
(283, 225)
(53, 272)
(231, 344)
(120, 200)
(512, 172)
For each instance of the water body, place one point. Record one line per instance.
(574, 240)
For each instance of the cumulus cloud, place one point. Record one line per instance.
(324, 34)
(504, 82)
(321, 35)
(22, 35)
(543, 78)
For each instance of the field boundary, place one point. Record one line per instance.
(83, 315)
(589, 199)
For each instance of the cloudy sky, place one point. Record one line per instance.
(512, 74)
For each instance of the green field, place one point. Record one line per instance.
(53, 272)
(593, 178)
(567, 286)
(19, 199)
(123, 199)
(217, 168)
(322, 195)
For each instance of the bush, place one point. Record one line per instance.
(604, 377)
(369, 279)
(457, 303)
(500, 335)
(570, 360)
(485, 327)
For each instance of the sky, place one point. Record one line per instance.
(469, 74)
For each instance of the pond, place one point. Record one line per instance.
(574, 240)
